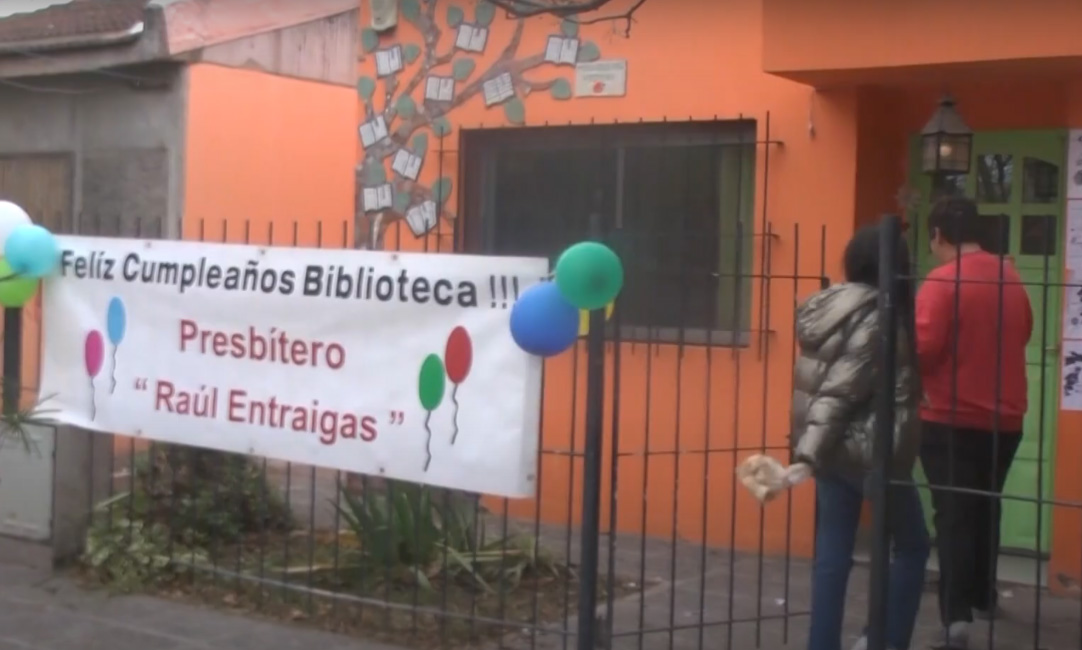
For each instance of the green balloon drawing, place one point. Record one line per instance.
(431, 384)
(589, 275)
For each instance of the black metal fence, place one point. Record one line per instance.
(640, 536)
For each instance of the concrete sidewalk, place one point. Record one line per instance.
(42, 612)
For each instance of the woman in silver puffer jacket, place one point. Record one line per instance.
(833, 426)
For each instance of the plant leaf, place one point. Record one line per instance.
(441, 127)
(401, 201)
(441, 189)
(366, 87)
(374, 173)
(589, 51)
(369, 39)
(484, 13)
(420, 144)
(463, 68)
(411, 52)
(455, 16)
(569, 28)
(515, 111)
(411, 10)
(560, 89)
(405, 106)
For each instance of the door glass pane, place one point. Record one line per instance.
(1040, 181)
(994, 175)
(1038, 235)
(995, 233)
(948, 185)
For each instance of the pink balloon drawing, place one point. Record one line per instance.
(93, 356)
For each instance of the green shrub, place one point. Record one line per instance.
(415, 534)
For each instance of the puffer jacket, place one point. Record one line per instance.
(835, 381)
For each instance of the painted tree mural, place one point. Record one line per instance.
(411, 90)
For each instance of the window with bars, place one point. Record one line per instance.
(675, 201)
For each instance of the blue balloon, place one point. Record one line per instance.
(543, 322)
(32, 251)
(115, 321)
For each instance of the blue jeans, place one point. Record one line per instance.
(839, 502)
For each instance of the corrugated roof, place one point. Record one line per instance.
(75, 22)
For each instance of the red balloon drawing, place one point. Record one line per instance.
(94, 353)
(459, 355)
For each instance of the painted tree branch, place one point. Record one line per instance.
(573, 9)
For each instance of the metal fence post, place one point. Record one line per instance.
(590, 532)
(883, 443)
(13, 358)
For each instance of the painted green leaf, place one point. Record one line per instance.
(366, 87)
(515, 111)
(441, 127)
(455, 16)
(410, 52)
(405, 106)
(570, 28)
(462, 69)
(369, 39)
(441, 189)
(589, 51)
(484, 13)
(374, 174)
(401, 201)
(411, 10)
(420, 144)
(560, 89)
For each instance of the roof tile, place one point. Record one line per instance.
(74, 20)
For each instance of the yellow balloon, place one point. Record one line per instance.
(584, 318)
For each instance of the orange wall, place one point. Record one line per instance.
(802, 37)
(699, 63)
(264, 149)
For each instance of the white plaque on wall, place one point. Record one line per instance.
(607, 78)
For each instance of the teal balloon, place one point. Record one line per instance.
(431, 383)
(32, 251)
(590, 275)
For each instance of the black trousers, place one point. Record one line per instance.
(966, 524)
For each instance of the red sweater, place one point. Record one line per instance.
(973, 395)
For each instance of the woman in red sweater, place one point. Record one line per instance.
(973, 321)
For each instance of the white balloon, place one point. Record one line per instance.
(11, 217)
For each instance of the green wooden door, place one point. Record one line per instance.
(1017, 180)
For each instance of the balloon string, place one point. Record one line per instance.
(428, 442)
(454, 400)
(112, 372)
(93, 401)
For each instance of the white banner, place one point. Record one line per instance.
(306, 355)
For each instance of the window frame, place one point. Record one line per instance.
(481, 149)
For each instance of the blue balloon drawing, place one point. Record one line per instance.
(543, 322)
(116, 323)
(32, 251)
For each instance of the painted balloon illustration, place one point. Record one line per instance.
(458, 357)
(431, 385)
(116, 323)
(93, 356)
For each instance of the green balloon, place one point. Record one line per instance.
(432, 382)
(589, 275)
(15, 291)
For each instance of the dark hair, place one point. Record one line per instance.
(862, 266)
(955, 217)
